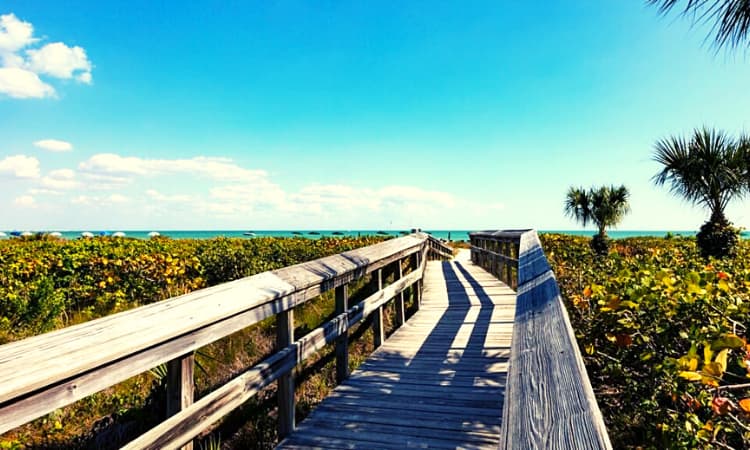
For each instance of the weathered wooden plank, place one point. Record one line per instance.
(556, 407)
(400, 305)
(285, 389)
(42, 360)
(43, 373)
(438, 384)
(377, 316)
(180, 385)
(191, 421)
(342, 343)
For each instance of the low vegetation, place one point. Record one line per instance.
(49, 283)
(663, 333)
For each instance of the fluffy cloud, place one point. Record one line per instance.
(26, 201)
(215, 192)
(61, 179)
(60, 61)
(19, 70)
(107, 200)
(54, 145)
(213, 168)
(157, 196)
(20, 166)
(14, 33)
(21, 83)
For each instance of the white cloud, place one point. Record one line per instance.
(20, 166)
(157, 196)
(116, 198)
(15, 34)
(25, 201)
(213, 168)
(60, 61)
(19, 72)
(37, 191)
(61, 179)
(21, 83)
(54, 145)
(96, 200)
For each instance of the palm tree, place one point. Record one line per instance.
(604, 207)
(731, 17)
(709, 169)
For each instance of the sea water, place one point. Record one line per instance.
(456, 235)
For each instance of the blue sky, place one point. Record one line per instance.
(291, 114)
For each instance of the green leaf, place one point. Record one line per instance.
(731, 341)
(690, 375)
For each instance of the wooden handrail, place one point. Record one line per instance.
(549, 402)
(46, 372)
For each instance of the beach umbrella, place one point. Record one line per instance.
(154, 234)
(56, 234)
(313, 232)
(2, 234)
(87, 234)
(297, 233)
(118, 234)
(249, 233)
(15, 233)
(337, 233)
(27, 233)
(104, 233)
(382, 233)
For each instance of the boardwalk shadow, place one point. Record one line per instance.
(442, 390)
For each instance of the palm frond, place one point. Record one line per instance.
(706, 169)
(730, 18)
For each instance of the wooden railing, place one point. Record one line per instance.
(549, 402)
(46, 372)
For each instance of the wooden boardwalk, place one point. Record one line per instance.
(437, 382)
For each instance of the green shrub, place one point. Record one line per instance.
(663, 336)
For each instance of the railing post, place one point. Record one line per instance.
(180, 386)
(377, 315)
(342, 343)
(285, 391)
(417, 286)
(509, 267)
(400, 307)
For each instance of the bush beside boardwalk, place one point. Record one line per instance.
(50, 283)
(663, 334)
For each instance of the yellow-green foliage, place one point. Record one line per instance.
(663, 335)
(51, 283)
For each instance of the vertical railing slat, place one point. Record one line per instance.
(342, 343)
(180, 386)
(284, 338)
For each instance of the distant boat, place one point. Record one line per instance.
(382, 233)
(87, 234)
(154, 234)
(314, 232)
(118, 234)
(248, 233)
(56, 234)
(337, 233)
(297, 233)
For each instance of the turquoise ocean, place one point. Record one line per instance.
(317, 234)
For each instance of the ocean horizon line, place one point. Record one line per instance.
(311, 233)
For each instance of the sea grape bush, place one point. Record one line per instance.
(663, 333)
(51, 283)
